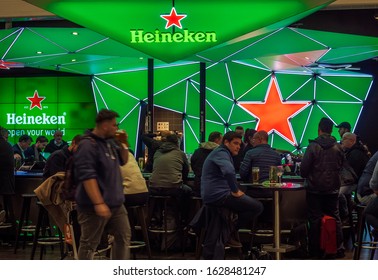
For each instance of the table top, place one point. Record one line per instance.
(28, 174)
(285, 186)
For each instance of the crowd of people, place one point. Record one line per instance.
(109, 179)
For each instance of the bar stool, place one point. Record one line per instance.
(42, 227)
(140, 223)
(196, 204)
(24, 219)
(159, 204)
(371, 244)
(205, 235)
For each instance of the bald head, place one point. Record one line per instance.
(348, 140)
(260, 137)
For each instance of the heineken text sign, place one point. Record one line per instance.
(176, 30)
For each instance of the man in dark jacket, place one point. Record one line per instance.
(364, 193)
(199, 156)
(99, 195)
(355, 153)
(321, 165)
(57, 143)
(34, 152)
(219, 186)
(7, 182)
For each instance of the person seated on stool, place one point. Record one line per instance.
(219, 186)
(371, 210)
(170, 171)
(134, 185)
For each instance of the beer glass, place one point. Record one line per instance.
(255, 175)
(273, 174)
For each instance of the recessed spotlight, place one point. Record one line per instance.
(110, 68)
(39, 52)
(141, 57)
(75, 33)
(73, 60)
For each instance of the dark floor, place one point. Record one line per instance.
(53, 253)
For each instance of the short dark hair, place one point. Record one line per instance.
(25, 138)
(214, 136)
(326, 125)
(105, 115)
(3, 131)
(77, 138)
(172, 138)
(229, 136)
(249, 133)
(42, 139)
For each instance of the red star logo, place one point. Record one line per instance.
(36, 100)
(274, 114)
(173, 19)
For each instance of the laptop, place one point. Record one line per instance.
(33, 167)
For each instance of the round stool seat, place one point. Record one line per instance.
(137, 244)
(49, 240)
(28, 228)
(5, 225)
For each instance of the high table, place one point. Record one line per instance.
(277, 247)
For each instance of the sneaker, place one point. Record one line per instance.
(2, 216)
(233, 243)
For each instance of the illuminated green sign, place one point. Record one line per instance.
(175, 30)
(40, 105)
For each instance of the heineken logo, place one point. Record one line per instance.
(173, 19)
(44, 119)
(35, 100)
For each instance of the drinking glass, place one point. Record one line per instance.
(280, 171)
(255, 175)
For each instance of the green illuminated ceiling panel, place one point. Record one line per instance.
(191, 128)
(191, 27)
(296, 87)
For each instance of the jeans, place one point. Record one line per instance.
(92, 228)
(247, 208)
(371, 213)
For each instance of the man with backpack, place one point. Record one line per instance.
(99, 192)
(321, 165)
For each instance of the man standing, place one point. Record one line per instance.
(99, 195)
(219, 186)
(321, 165)
(7, 181)
(57, 143)
(343, 127)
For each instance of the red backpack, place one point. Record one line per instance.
(328, 239)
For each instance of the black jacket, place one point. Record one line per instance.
(52, 147)
(6, 168)
(56, 162)
(357, 158)
(321, 165)
(152, 145)
(197, 160)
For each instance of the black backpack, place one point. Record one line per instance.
(69, 186)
